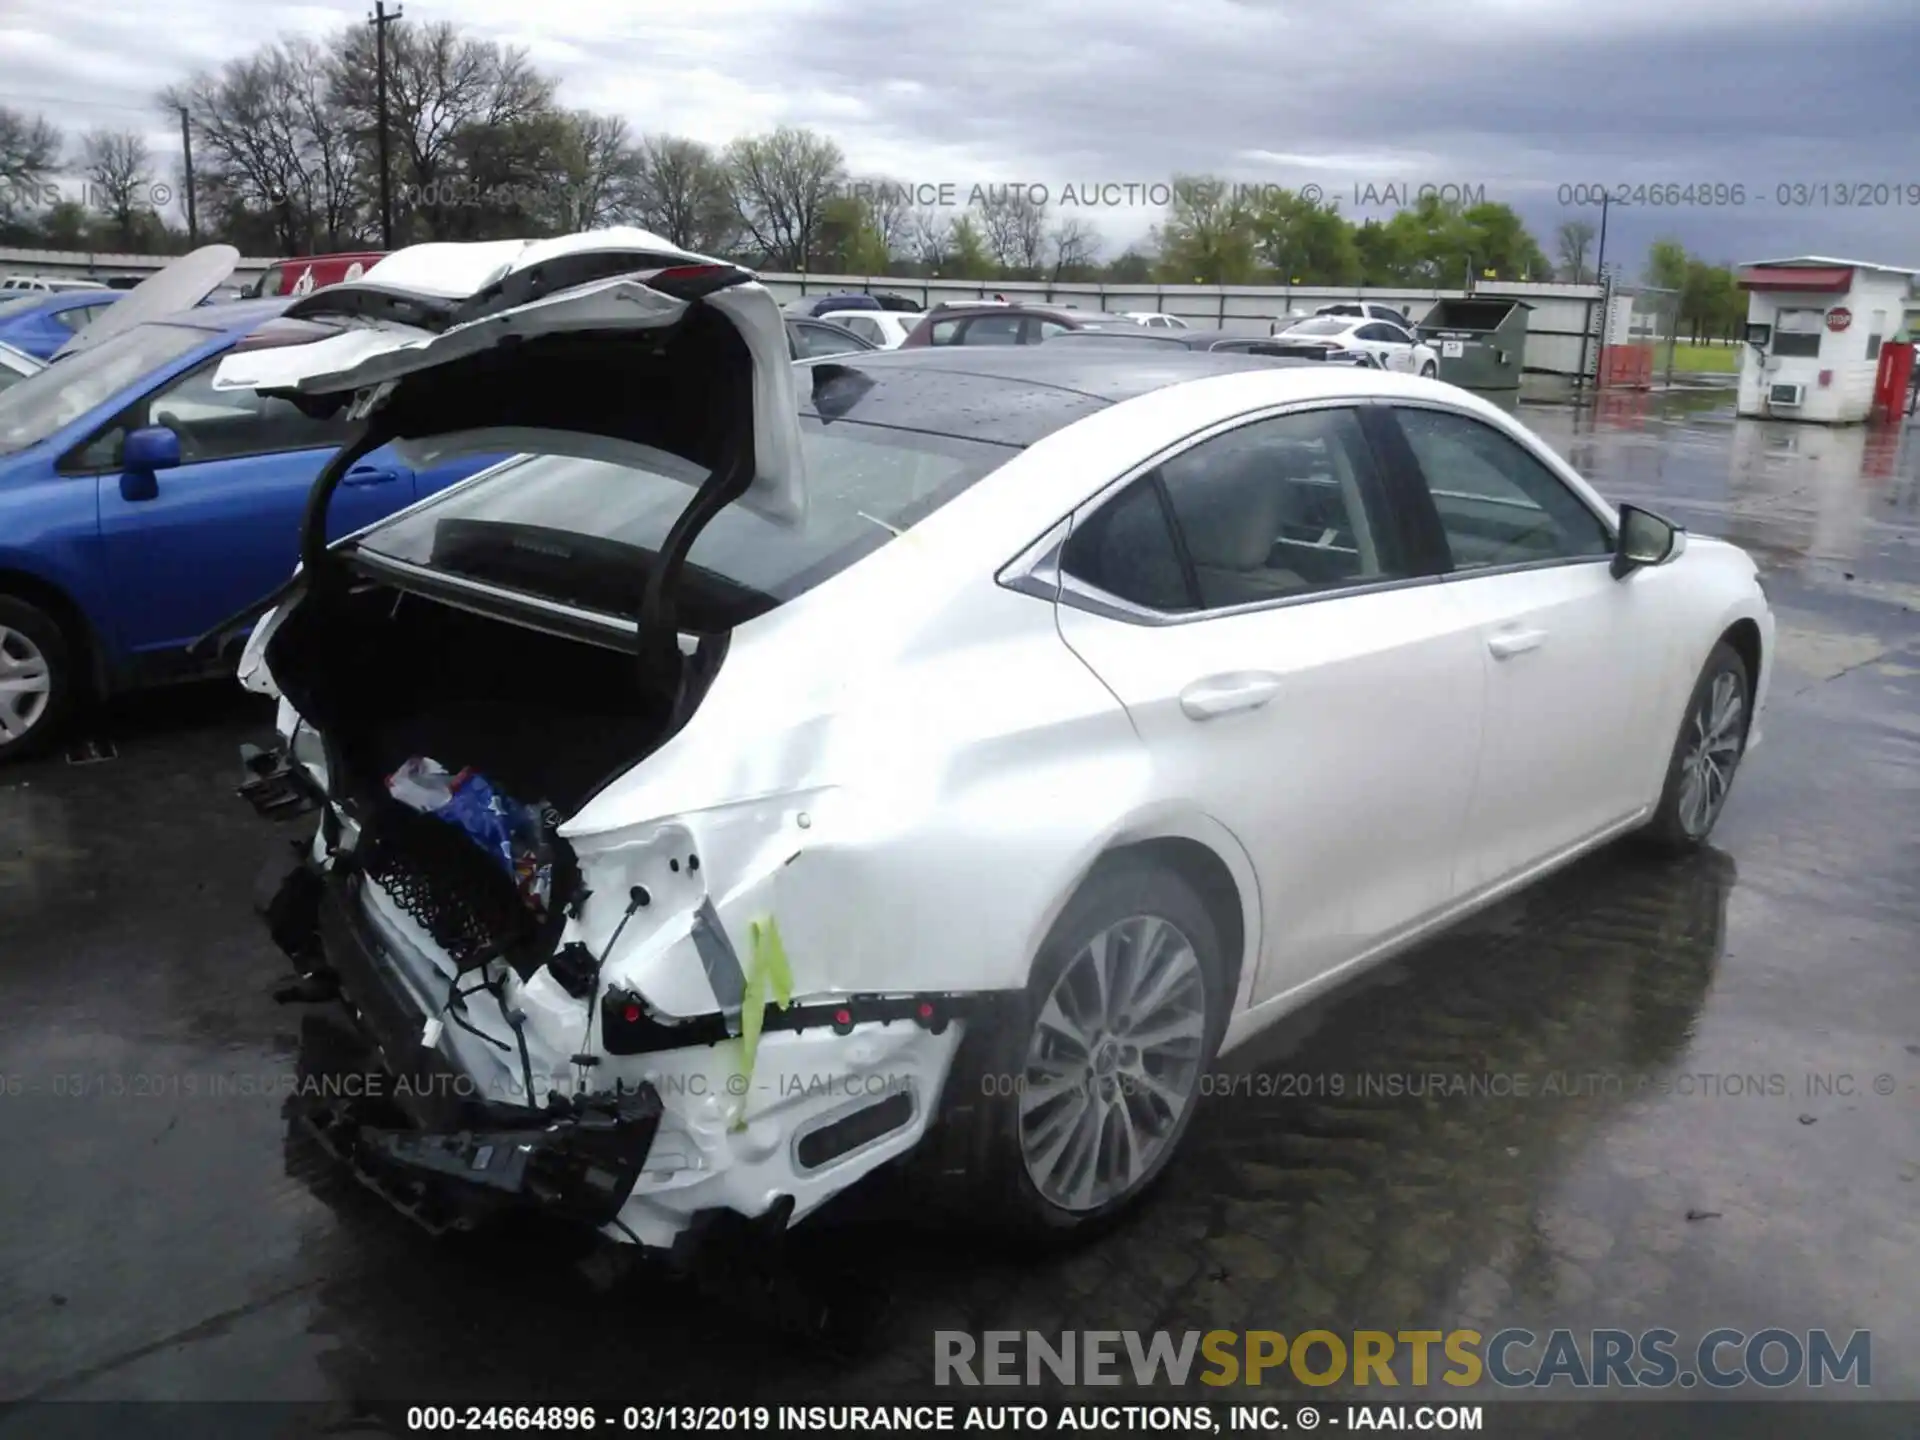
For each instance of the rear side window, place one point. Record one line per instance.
(993, 330)
(1272, 510)
(944, 332)
(1497, 504)
(1126, 549)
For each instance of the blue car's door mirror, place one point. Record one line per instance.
(146, 450)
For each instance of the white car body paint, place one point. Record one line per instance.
(890, 327)
(912, 766)
(1411, 356)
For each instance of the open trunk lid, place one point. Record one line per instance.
(606, 345)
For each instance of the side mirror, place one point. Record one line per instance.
(1645, 539)
(146, 450)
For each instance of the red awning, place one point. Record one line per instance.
(1797, 277)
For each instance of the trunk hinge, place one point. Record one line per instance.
(315, 562)
(663, 667)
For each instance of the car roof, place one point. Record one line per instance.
(1013, 395)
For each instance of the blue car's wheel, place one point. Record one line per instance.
(36, 677)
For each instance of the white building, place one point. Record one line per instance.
(1814, 330)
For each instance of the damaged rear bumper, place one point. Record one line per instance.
(674, 1135)
(429, 1143)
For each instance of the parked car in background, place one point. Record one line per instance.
(815, 339)
(903, 304)
(1396, 348)
(304, 274)
(40, 322)
(997, 322)
(1155, 319)
(1212, 340)
(16, 365)
(1275, 642)
(139, 507)
(816, 305)
(887, 329)
(1368, 310)
(49, 284)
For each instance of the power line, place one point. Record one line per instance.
(68, 102)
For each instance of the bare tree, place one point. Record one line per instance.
(334, 186)
(680, 192)
(600, 167)
(1014, 225)
(889, 212)
(781, 184)
(1076, 245)
(249, 144)
(119, 171)
(442, 87)
(29, 154)
(930, 236)
(1571, 242)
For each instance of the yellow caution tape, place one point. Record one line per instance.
(767, 971)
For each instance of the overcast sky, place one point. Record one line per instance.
(1515, 98)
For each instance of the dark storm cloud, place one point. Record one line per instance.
(1519, 98)
(1516, 96)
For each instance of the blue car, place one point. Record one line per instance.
(39, 324)
(140, 507)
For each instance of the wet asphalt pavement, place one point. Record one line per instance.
(1699, 1085)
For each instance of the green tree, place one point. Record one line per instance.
(1498, 240)
(1208, 236)
(850, 242)
(1433, 242)
(1303, 242)
(1129, 267)
(1381, 262)
(967, 257)
(1667, 264)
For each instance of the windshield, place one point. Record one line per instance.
(519, 526)
(41, 405)
(1328, 326)
(17, 300)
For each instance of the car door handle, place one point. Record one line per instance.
(1509, 643)
(370, 475)
(1223, 694)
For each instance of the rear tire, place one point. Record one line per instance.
(37, 678)
(1073, 1100)
(1429, 371)
(1706, 755)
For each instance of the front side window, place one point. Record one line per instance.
(1498, 505)
(944, 332)
(45, 403)
(1272, 510)
(215, 424)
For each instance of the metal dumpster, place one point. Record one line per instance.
(1482, 340)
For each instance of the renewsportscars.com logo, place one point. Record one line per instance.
(1722, 1359)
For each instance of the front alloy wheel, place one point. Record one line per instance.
(1717, 729)
(26, 685)
(1705, 753)
(1113, 1064)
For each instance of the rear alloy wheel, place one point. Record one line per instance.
(1073, 1100)
(1113, 1064)
(35, 683)
(1706, 753)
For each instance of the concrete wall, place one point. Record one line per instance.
(1848, 396)
(1555, 326)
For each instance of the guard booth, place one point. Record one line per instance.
(1816, 327)
(1482, 340)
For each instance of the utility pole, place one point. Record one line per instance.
(186, 155)
(380, 19)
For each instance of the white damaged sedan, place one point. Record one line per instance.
(776, 770)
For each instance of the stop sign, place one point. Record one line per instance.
(1839, 318)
